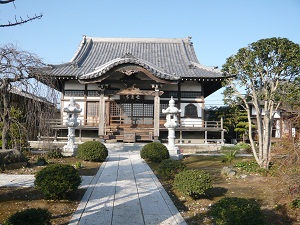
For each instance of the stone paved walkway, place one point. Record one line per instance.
(126, 192)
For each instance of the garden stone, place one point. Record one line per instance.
(228, 171)
(243, 176)
(10, 157)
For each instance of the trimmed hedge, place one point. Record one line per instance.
(233, 210)
(93, 151)
(169, 167)
(56, 180)
(155, 152)
(33, 216)
(193, 183)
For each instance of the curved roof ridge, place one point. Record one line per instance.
(140, 40)
(52, 66)
(186, 56)
(82, 51)
(98, 71)
(79, 49)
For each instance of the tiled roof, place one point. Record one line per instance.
(166, 58)
(26, 94)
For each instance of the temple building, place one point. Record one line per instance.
(122, 85)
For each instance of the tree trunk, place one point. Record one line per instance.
(250, 133)
(5, 116)
(260, 132)
(5, 136)
(266, 142)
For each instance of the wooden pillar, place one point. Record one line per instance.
(156, 112)
(107, 113)
(80, 136)
(180, 137)
(55, 135)
(205, 132)
(222, 132)
(101, 130)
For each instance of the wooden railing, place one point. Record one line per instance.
(58, 123)
(213, 124)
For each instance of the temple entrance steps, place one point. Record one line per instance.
(124, 146)
(129, 135)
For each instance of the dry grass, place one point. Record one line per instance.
(267, 190)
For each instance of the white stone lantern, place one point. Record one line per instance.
(171, 123)
(72, 115)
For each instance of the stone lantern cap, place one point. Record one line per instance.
(72, 112)
(72, 107)
(171, 109)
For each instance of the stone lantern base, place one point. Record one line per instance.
(69, 150)
(174, 153)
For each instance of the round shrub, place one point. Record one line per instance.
(93, 151)
(56, 180)
(155, 152)
(33, 216)
(193, 183)
(233, 210)
(169, 167)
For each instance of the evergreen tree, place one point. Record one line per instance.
(256, 76)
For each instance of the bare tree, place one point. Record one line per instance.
(18, 21)
(23, 71)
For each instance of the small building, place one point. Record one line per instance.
(282, 124)
(122, 85)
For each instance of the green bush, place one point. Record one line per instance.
(55, 154)
(169, 167)
(93, 151)
(229, 156)
(238, 147)
(251, 167)
(295, 204)
(56, 180)
(192, 182)
(233, 210)
(155, 152)
(33, 216)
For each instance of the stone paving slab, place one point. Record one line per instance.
(11, 180)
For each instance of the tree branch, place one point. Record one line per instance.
(21, 21)
(7, 1)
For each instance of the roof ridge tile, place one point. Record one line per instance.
(140, 40)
